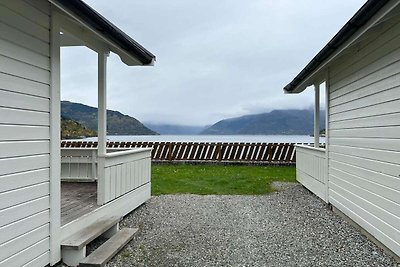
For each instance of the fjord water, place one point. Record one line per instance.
(213, 138)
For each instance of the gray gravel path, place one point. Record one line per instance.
(290, 227)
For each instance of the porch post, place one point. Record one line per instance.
(102, 125)
(102, 103)
(316, 116)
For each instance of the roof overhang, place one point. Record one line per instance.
(361, 28)
(82, 25)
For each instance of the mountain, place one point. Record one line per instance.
(275, 122)
(71, 129)
(172, 129)
(117, 123)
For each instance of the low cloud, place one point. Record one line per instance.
(215, 59)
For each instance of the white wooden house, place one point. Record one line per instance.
(31, 228)
(358, 172)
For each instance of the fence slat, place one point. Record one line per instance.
(187, 151)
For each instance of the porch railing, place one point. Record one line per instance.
(311, 169)
(117, 173)
(121, 172)
(79, 164)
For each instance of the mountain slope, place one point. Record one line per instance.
(117, 123)
(72, 129)
(173, 129)
(274, 122)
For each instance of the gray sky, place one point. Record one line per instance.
(215, 59)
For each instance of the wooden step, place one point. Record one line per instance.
(112, 246)
(80, 239)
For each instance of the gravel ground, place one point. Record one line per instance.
(290, 227)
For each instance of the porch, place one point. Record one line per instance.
(96, 192)
(312, 169)
(91, 183)
(311, 161)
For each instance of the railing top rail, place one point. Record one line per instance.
(125, 152)
(309, 147)
(79, 148)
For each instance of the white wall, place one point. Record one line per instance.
(364, 132)
(24, 132)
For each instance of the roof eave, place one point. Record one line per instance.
(362, 16)
(130, 52)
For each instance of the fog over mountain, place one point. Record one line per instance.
(289, 121)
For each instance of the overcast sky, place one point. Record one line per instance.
(215, 59)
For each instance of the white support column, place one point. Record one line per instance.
(102, 125)
(316, 116)
(55, 144)
(102, 103)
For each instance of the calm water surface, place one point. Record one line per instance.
(213, 138)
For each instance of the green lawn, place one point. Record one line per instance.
(216, 179)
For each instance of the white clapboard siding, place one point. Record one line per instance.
(367, 174)
(27, 255)
(41, 260)
(24, 86)
(374, 154)
(23, 210)
(365, 122)
(388, 80)
(24, 148)
(41, 5)
(21, 69)
(23, 101)
(23, 164)
(24, 132)
(29, 12)
(391, 223)
(381, 97)
(374, 143)
(361, 66)
(385, 196)
(21, 195)
(372, 224)
(25, 225)
(25, 55)
(23, 179)
(386, 42)
(368, 111)
(24, 39)
(22, 23)
(24, 117)
(370, 132)
(19, 243)
(364, 137)
(389, 170)
(20, 133)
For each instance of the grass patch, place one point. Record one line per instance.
(217, 179)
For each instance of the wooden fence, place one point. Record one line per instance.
(205, 152)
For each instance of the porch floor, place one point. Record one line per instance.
(77, 199)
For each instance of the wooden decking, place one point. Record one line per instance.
(77, 199)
